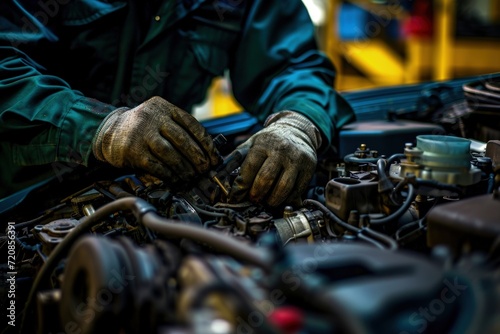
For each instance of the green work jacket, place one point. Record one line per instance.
(65, 64)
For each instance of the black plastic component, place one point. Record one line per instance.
(388, 137)
(472, 223)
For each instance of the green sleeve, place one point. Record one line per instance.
(45, 126)
(42, 117)
(277, 66)
(42, 120)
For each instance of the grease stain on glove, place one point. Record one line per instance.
(280, 163)
(156, 137)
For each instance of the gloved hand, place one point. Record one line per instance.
(280, 162)
(158, 138)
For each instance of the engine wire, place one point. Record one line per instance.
(146, 214)
(208, 213)
(45, 214)
(405, 227)
(330, 215)
(374, 235)
(400, 211)
(365, 233)
(393, 158)
(138, 208)
(211, 238)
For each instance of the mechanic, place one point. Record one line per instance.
(107, 80)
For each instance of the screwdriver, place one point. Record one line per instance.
(232, 162)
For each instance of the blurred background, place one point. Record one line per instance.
(375, 43)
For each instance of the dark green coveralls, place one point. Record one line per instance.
(64, 64)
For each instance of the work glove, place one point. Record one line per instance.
(158, 138)
(280, 162)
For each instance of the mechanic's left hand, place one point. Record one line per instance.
(280, 162)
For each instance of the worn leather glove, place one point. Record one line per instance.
(156, 137)
(280, 162)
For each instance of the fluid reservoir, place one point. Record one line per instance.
(446, 159)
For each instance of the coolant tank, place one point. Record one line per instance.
(444, 151)
(445, 159)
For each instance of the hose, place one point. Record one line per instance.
(381, 165)
(145, 213)
(138, 208)
(384, 184)
(38, 219)
(400, 211)
(330, 215)
(390, 242)
(439, 185)
(351, 158)
(230, 213)
(401, 232)
(213, 239)
(365, 233)
(393, 158)
(407, 233)
(208, 213)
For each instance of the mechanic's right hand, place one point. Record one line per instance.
(156, 137)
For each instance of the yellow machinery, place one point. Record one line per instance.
(376, 63)
(438, 58)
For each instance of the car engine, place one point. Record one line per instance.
(384, 242)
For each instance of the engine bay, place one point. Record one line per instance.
(406, 242)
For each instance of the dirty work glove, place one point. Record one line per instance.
(158, 138)
(280, 162)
